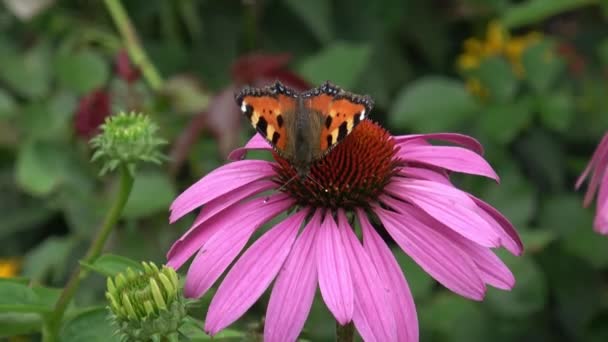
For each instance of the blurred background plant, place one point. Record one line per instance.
(527, 78)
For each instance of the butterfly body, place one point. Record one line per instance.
(303, 127)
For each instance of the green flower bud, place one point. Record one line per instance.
(146, 305)
(126, 139)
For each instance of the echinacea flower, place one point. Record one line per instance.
(379, 182)
(599, 180)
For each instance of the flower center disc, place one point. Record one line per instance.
(352, 175)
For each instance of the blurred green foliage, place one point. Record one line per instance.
(538, 105)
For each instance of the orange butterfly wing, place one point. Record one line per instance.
(266, 109)
(342, 112)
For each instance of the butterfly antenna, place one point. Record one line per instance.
(317, 183)
(281, 188)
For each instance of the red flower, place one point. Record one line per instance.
(92, 110)
(124, 68)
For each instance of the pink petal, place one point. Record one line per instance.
(508, 235)
(452, 158)
(491, 269)
(460, 139)
(401, 299)
(601, 150)
(373, 316)
(257, 211)
(600, 223)
(294, 289)
(425, 173)
(257, 142)
(448, 205)
(223, 246)
(436, 254)
(218, 205)
(219, 182)
(252, 274)
(335, 280)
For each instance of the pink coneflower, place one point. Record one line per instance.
(372, 180)
(599, 178)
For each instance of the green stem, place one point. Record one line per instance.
(345, 333)
(53, 325)
(134, 49)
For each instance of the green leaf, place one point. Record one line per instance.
(460, 319)
(152, 192)
(15, 296)
(432, 103)
(12, 324)
(28, 73)
(504, 122)
(340, 62)
(556, 110)
(50, 256)
(49, 119)
(316, 14)
(82, 71)
(535, 11)
(192, 329)
(542, 65)
(8, 107)
(110, 265)
(91, 325)
(38, 169)
(529, 294)
(496, 75)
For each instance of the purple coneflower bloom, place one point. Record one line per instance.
(383, 183)
(599, 178)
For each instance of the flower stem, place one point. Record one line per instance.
(54, 323)
(345, 333)
(134, 49)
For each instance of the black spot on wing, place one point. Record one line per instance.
(328, 121)
(330, 140)
(280, 120)
(342, 131)
(356, 119)
(275, 138)
(248, 111)
(262, 126)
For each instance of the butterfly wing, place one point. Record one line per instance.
(267, 109)
(341, 110)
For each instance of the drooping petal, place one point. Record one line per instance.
(601, 150)
(252, 274)
(294, 289)
(372, 316)
(448, 205)
(490, 268)
(257, 142)
(459, 139)
(600, 223)
(335, 280)
(217, 205)
(436, 254)
(401, 299)
(223, 246)
(219, 182)
(258, 211)
(451, 158)
(425, 173)
(508, 235)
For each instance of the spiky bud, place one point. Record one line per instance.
(147, 304)
(126, 139)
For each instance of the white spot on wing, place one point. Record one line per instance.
(362, 115)
(243, 107)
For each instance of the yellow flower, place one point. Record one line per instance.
(495, 39)
(9, 267)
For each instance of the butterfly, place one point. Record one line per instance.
(303, 127)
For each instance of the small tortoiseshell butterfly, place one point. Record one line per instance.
(303, 126)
